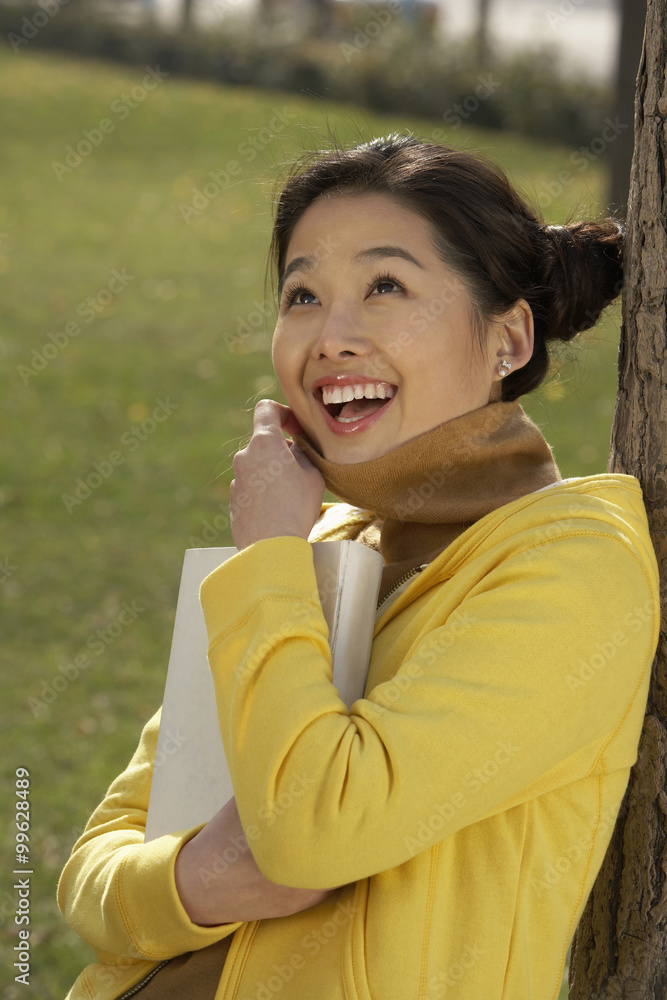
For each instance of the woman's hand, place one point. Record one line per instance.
(216, 891)
(276, 490)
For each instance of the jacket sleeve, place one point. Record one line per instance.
(338, 794)
(120, 894)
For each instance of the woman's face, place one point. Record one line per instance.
(376, 345)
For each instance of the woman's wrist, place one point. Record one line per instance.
(214, 891)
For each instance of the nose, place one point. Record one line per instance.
(340, 337)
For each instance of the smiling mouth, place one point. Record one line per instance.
(349, 404)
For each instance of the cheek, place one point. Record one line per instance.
(288, 372)
(281, 357)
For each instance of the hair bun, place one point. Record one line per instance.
(583, 271)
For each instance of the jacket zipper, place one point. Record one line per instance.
(147, 978)
(399, 583)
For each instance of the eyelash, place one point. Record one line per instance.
(292, 291)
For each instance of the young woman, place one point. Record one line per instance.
(440, 838)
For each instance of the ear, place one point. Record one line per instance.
(514, 337)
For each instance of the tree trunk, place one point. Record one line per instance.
(633, 16)
(482, 32)
(620, 947)
(186, 13)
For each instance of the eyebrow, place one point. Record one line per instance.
(308, 261)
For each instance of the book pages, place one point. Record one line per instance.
(191, 779)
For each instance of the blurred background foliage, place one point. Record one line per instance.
(369, 56)
(163, 275)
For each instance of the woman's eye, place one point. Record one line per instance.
(386, 281)
(292, 296)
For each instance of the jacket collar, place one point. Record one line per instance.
(427, 491)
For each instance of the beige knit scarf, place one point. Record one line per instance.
(428, 490)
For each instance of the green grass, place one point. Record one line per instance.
(161, 337)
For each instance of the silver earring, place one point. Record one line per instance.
(503, 368)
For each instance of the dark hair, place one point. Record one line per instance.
(483, 230)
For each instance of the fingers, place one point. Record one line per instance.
(271, 415)
(267, 416)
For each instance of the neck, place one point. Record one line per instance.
(428, 490)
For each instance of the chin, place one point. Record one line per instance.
(348, 453)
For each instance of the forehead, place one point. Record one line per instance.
(360, 228)
(359, 216)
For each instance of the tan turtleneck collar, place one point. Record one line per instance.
(428, 490)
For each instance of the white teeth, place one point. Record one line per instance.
(345, 394)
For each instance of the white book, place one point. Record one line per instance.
(191, 779)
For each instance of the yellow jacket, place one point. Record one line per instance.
(464, 804)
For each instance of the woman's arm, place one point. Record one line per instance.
(123, 896)
(214, 890)
(480, 709)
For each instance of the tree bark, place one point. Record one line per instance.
(633, 16)
(620, 947)
(482, 32)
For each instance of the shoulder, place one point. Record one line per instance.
(590, 536)
(589, 529)
(605, 506)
